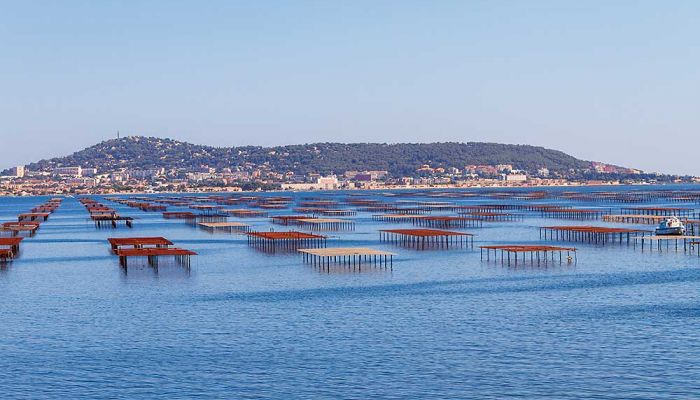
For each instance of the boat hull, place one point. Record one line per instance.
(677, 231)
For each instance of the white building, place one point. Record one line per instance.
(201, 176)
(119, 176)
(69, 171)
(18, 171)
(328, 182)
(89, 172)
(514, 177)
(322, 183)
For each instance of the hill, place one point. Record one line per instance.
(138, 152)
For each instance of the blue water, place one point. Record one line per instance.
(245, 324)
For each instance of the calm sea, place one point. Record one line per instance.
(246, 324)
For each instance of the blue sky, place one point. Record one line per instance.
(615, 81)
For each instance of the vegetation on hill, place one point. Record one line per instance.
(325, 158)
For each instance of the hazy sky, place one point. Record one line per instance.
(615, 81)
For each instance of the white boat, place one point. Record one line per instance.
(671, 226)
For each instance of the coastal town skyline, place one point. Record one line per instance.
(137, 164)
(609, 82)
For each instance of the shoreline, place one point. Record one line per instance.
(371, 189)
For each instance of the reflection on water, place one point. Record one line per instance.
(164, 270)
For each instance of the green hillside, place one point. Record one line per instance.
(325, 158)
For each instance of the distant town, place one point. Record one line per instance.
(21, 181)
(137, 164)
